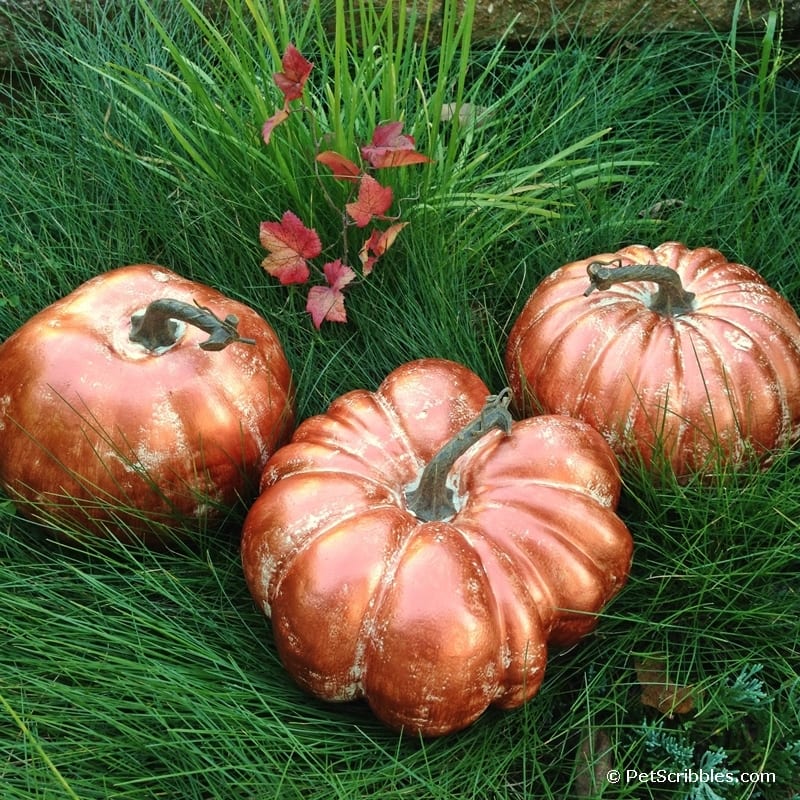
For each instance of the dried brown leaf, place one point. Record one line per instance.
(661, 693)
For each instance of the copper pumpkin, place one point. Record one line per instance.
(681, 355)
(410, 553)
(113, 410)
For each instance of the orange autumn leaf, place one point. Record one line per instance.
(343, 168)
(374, 200)
(290, 244)
(279, 116)
(377, 244)
(400, 158)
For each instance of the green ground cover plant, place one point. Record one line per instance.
(136, 136)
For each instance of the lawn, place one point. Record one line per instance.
(127, 672)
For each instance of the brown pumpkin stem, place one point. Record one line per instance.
(432, 499)
(157, 327)
(671, 299)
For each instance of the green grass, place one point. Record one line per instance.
(126, 673)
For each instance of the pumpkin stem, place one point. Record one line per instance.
(156, 327)
(431, 498)
(671, 299)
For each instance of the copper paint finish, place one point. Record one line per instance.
(432, 622)
(89, 418)
(721, 381)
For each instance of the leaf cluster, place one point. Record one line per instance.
(291, 244)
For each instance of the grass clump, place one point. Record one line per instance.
(127, 673)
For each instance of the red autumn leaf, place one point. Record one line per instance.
(390, 136)
(296, 70)
(343, 168)
(390, 147)
(279, 116)
(377, 244)
(289, 243)
(327, 302)
(373, 200)
(337, 274)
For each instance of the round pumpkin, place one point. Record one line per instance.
(117, 411)
(416, 548)
(680, 357)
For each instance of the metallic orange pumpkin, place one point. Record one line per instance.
(411, 554)
(697, 362)
(168, 426)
